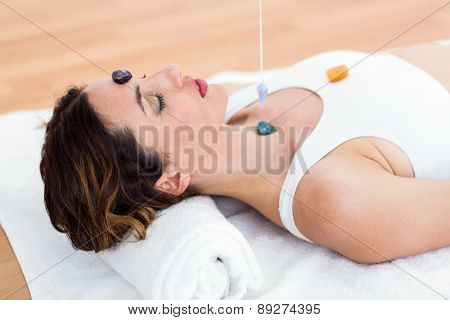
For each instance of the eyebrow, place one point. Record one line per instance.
(138, 95)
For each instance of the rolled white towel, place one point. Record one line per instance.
(191, 252)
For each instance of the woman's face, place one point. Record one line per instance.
(170, 128)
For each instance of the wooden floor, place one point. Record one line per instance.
(47, 45)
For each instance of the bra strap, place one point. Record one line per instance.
(287, 195)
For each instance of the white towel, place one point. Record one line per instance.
(191, 252)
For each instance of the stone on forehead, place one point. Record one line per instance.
(121, 76)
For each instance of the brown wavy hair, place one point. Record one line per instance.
(98, 182)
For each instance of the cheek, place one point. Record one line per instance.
(179, 142)
(187, 117)
(189, 113)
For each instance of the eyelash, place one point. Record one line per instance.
(162, 101)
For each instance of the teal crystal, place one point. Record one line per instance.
(265, 128)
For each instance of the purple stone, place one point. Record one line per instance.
(121, 76)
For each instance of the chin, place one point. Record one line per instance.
(218, 89)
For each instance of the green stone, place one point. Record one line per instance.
(265, 128)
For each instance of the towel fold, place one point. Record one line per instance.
(191, 252)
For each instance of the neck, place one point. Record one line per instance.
(239, 166)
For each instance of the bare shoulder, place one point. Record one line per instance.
(431, 57)
(327, 187)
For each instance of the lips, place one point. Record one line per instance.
(202, 86)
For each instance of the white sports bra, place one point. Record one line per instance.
(383, 96)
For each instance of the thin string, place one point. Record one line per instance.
(260, 41)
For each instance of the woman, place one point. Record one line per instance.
(114, 153)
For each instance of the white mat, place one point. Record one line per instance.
(292, 268)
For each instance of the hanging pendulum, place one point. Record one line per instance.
(263, 128)
(262, 87)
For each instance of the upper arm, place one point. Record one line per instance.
(354, 206)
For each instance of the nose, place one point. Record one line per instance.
(172, 73)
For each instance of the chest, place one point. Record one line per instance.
(293, 111)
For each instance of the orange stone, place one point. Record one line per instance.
(337, 73)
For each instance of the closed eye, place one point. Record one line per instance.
(161, 104)
(161, 100)
(158, 95)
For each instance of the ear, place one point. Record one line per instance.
(174, 182)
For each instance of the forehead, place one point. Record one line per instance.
(106, 91)
(116, 101)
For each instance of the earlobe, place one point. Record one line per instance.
(175, 183)
(183, 182)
